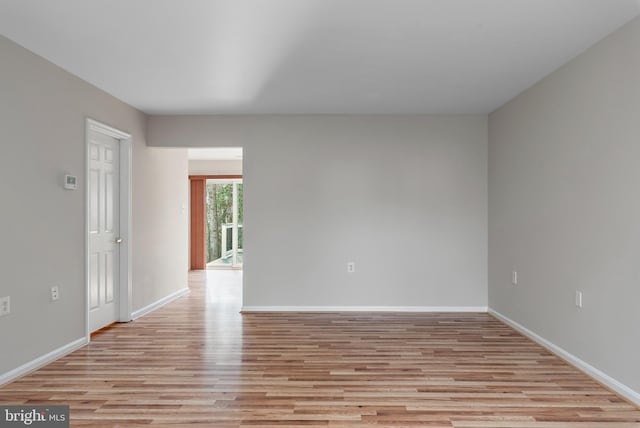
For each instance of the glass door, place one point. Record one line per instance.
(237, 248)
(224, 224)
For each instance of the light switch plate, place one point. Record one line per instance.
(578, 299)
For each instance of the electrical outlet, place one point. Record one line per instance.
(578, 299)
(55, 293)
(5, 306)
(351, 267)
(514, 277)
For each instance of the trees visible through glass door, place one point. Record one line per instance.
(224, 223)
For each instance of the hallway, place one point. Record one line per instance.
(199, 361)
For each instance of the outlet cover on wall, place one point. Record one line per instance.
(5, 306)
(514, 277)
(351, 267)
(55, 293)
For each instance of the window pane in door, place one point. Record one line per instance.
(240, 228)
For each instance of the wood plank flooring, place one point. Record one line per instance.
(198, 361)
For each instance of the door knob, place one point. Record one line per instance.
(118, 240)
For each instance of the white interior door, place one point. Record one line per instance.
(104, 227)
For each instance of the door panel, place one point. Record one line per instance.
(94, 281)
(94, 184)
(104, 227)
(108, 202)
(109, 279)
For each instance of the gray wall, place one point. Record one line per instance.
(564, 210)
(160, 223)
(42, 118)
(403, 197)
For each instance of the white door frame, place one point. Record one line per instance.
(124, 279)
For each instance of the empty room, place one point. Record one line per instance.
(320, 213)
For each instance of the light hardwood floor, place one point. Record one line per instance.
(198, 361)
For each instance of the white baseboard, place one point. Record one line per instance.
(42, 361)
(364, 309)
(159, 303)
(588, 369)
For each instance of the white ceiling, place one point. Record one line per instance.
(217, 153)
(312, 56)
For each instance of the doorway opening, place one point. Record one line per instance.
(224, 215)
(216, 208)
